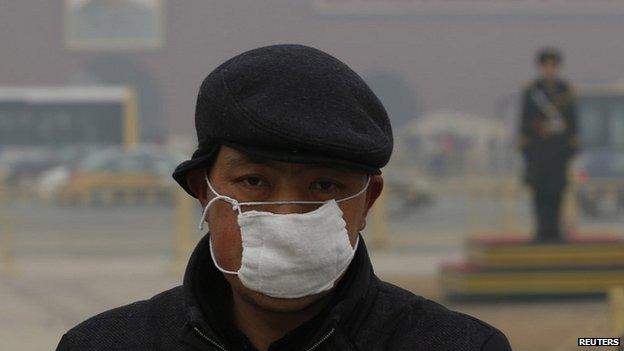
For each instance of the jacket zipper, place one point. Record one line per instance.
(198, 331)
(317, 344)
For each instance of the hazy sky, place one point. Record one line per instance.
(462, 63)
(451, 62)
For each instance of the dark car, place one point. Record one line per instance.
(599, 169)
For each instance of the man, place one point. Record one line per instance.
(548, 139)
(291, 142)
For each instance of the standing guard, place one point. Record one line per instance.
(548, 140)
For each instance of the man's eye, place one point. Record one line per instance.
(253, 181)
(324, 185)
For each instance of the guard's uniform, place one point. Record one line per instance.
(548, 139)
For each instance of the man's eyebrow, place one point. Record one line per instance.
(234, 161)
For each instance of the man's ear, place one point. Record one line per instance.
(374, 190)
(375, 186)
(197, 183)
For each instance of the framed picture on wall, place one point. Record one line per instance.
(114, 25)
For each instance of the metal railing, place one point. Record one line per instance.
(7, 237)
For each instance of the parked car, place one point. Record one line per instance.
(600, 178)
(20, 167)
(115, 176)
(407, 194)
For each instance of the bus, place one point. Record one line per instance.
(42, 127)
(53, 117)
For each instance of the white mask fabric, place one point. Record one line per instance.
(290, 255)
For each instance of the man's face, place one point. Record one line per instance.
(549, 69)
(238, 176)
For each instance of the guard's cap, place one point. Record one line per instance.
(290, 103)
(549, 53)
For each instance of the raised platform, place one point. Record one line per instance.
(469, 280)
(596, 251)
(516, 267)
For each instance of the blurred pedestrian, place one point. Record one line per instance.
(548, 140)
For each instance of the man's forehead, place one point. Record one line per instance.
(234, 159)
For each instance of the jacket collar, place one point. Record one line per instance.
(207, 298)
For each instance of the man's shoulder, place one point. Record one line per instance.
(135, 325)
(423, 321)
(425, 311)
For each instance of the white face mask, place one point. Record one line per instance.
(290, 255)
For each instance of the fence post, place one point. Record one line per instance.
(616, 302)
(182, 235)
(510, 208)
(379, 232)
(474, 192)
(570, 215)
(7, 246)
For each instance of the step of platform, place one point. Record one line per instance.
(466, 280)
(594, 251)
(517, 267)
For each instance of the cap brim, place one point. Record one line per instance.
(204, 161)
(267, 153)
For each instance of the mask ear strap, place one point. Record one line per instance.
(358, 193)
(357, 243)
(214, 260)
(210, 185)
(281, 203)
(233, 202)
(302, 202)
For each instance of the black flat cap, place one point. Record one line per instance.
(549, 53)
(290, 103)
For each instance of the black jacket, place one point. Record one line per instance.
(364, 314)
